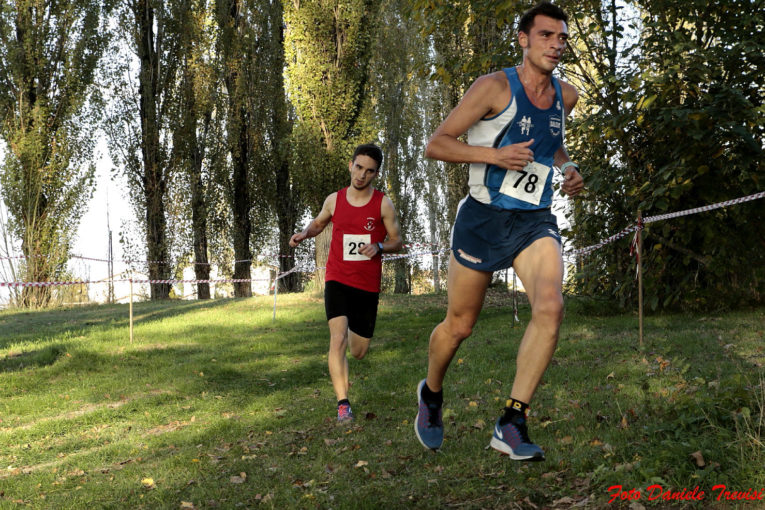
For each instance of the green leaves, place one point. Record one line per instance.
(685, 133)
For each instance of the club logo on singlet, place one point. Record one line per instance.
(525, 125)
(370, 226)
(555, 125)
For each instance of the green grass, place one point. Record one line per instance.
(209, 391)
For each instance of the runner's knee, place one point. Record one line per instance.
(338, 342)
(549, 307)
(459, 328)
(359, 349)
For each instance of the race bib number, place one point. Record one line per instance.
(527, 184)
(352, 244)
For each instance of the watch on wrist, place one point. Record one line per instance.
(566, 165)
(380, 247)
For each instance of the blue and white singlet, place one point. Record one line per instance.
(519, 122)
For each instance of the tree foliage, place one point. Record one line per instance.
(49, 52)
(398, 92)
(468, 38)
(680, 126)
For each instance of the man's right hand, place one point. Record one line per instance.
(297, 239)
(515, 156)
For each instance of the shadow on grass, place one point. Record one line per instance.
(30, 326)
(15, 361)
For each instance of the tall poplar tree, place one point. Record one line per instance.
(236, 47)
(276, 169)
(399, 94)
(469, 38)
(144, 83)
(194, 130)
(49, 52)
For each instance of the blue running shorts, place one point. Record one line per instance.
(487, 238)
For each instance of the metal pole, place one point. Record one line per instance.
(640, 275)
(110, 298)
(131, 310)
(276, 290)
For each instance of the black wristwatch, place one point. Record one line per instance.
(380, 247)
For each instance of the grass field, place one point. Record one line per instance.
(216, 406)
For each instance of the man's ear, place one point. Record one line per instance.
(523, 39)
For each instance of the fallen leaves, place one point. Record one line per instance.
(148, 483)
(698, 459)
(238, 479)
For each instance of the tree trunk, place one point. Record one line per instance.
(286, 219)
(242, 224)
(199, 228)
(153, 182)
(401, 271)
(433, 244)
(156, 241)
(323, 241)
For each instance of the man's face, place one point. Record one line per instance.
(543, 46)
(363, 171)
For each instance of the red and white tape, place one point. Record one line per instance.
(389, 258)
(589, 249)
(582, 251)
(659, 217)
(224, 280)
(43, 284)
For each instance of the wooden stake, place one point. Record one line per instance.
(131, 310)
(276, 287)
(640, 275)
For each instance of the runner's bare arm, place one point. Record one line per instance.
(487, 96)
(572, 180)
(318, 224)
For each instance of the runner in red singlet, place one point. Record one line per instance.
(362, 217)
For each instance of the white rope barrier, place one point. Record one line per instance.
(660, 217)
(581, 251)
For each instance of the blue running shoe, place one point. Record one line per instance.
(344, 413)
(428, 425)
(513, 439)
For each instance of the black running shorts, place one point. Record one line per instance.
(360, 306)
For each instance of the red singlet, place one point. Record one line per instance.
(352, 228)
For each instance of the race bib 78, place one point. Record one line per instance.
(527, 184)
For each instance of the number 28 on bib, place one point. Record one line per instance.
(352, 244)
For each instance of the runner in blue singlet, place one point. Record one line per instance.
(515, 121)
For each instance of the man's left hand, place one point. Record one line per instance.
(370, 250)
(572, 183)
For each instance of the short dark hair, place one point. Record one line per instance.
(543, 8)
(371, 150)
